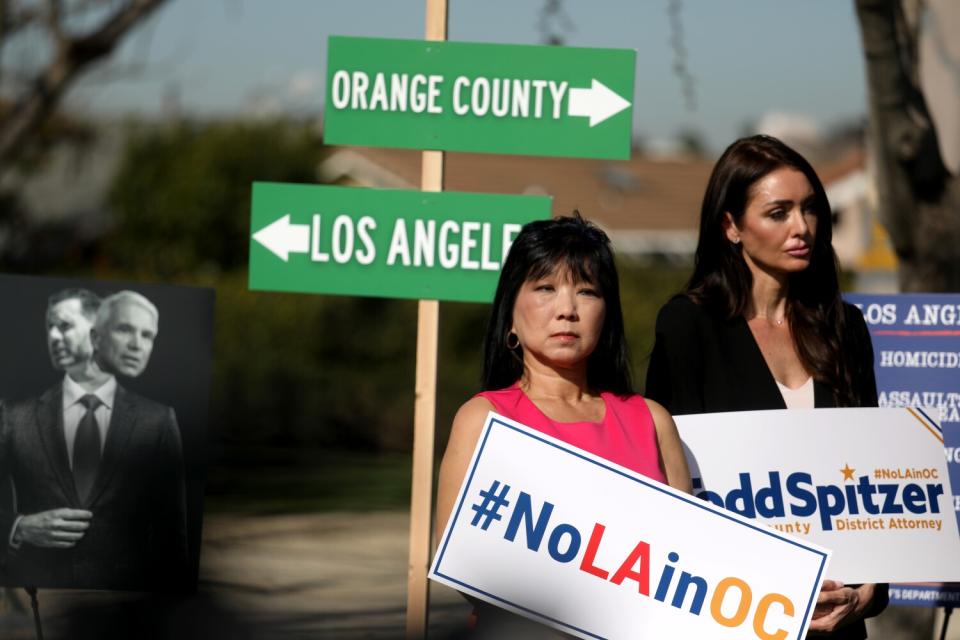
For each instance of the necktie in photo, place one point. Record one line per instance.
(86, 448)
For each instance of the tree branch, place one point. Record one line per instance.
(74, 55)
(54, 21)
(901, 119)
(18, 17)
(916, 199)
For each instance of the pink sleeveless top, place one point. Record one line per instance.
(626, 435)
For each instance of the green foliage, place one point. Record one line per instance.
(288, 369)
(643, 290)
(299, 371)
(339, 371)
(182, 196)
(59, 129)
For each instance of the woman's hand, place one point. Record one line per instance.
(839, 605)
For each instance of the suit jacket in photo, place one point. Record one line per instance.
(137, 539)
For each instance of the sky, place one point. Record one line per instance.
(746, 59)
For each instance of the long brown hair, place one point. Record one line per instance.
(722, 281)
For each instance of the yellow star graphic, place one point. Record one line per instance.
(847, 472)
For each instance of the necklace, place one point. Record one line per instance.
(771, 321)
(779, 306)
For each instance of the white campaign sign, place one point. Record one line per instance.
(870, 484)
(557, 534)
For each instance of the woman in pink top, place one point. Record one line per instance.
(556, 360)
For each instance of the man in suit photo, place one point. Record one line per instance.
(97, 470)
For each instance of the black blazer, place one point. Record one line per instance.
(702, 363)
(705, 364)
(137, 538)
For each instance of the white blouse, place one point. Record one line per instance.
(799, 398)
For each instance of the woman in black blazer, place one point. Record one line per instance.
(761, 325)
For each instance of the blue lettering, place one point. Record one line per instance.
(685, 581)
(914, 499)
(866, 490)
(794, 480)
(852, 498)
(523, 511)
(553, 545)
(889, 492)
(664, 585)
(827, 500)
(743, 496)
(829, 507)
(711, 496)
(934, 490)
(770, 499)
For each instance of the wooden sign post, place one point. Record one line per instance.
(425, 400)
(435, 95)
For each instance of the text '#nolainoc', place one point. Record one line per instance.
(565, 543)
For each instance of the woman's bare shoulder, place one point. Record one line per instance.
(471, 415)
(657, 410)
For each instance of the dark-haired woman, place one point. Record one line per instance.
(556, 360)
(761, 325)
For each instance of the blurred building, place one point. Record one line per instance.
(56, 206)
(861, 242)
(649, 206)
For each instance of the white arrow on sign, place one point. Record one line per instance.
(283, 238)
(598, 103)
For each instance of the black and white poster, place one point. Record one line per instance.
(104, 393)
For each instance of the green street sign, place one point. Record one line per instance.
(489, 98)
(383, 243)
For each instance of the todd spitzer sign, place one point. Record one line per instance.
(870, 484)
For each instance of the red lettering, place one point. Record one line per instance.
(591, 553)
(641, 552)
